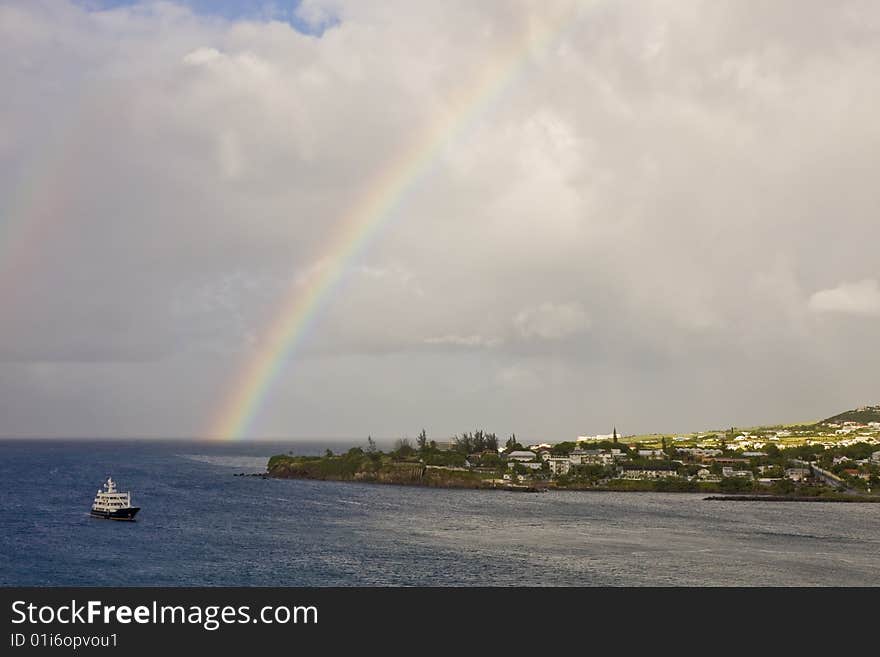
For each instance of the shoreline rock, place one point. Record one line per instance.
(791, 498)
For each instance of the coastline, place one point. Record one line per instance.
(793, 498)
(411, 474)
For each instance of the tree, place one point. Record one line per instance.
(491, 442)
(478, 441)
(422, 441)
(403, 448)
(563, 448)
(464, 443)
(735, 485)
(328, 454)
(588, 472)
(371, 445)
(783, 486)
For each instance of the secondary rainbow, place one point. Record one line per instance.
(357, 229)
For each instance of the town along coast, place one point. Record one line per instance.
(754, 469)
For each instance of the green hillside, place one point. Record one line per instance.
(864, 415)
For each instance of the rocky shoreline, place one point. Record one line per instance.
(454, 483)
(365, 470)
(791, 498)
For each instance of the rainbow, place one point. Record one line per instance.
(357, 229)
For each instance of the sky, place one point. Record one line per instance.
(665, 218)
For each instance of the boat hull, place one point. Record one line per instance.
(118, 514)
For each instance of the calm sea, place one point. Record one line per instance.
(200, 525)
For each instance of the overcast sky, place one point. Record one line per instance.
(668, 220)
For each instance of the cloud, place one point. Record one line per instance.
(462, 341)
(230, 156)
(519, 377)
(860, 298)
(639, 209)
(317, 15)
(202, 56)
(552, 321)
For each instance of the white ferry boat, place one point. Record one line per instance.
(113, 505)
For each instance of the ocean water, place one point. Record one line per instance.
(200, 525)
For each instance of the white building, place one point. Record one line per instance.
(522, 456)
(797, 474)
(444, 445)
(559, 465)
(647, 471)
(727, 471)
(526, 464)
(699, 452)
(595, 456)
(597, 438)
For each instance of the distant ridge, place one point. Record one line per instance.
(863, 414)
